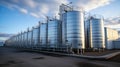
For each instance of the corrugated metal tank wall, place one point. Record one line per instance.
(22, 39)
(19, 39)
(53, 33)
(25, 39)
(29, 39)
(43, 34)
(15, 41)
(35, 37)
(96, 33)
(73, 29)
(87, 24)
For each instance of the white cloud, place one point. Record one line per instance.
(35, 15)
(36, 8)
(88, 5)
(4, 36)
(30, 3)
(23, 10)
(39, 8)
(113, 22)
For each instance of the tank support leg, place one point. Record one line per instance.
(78, 51)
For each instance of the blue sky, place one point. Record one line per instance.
(18, 15)
(13, 21)
(110, 10)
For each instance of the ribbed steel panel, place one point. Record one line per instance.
(73, 29)
(29, 38)
(96, 32)
(22, 39)
(53, 33)
(35, 36)
(25, 39)
(43, 33)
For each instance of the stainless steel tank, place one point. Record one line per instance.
(22, 40)
(18, 40)
(53, 33)
(29, 39)
(25, 39)
(15, 41)
(43, 33)
(96, 33)
(73, 29)
(35, 36)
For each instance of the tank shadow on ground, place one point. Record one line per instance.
(85, 64)
(39, 58)
(9, 62)
(48, 54)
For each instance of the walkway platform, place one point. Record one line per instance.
(102, 57)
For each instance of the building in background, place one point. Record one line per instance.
(118, 35)
(110, 36)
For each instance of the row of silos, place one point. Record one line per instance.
(70, 30)
(43, 36)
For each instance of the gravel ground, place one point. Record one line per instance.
(11, 57)
(115, 59)
(96, 53)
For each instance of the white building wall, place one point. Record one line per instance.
(116, 44)
(110, 36)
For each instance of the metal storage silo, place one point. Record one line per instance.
(25, 39)
(96, 33)
(29, 39)
(15, 41)
(43, 33)
(53, 33)
(20, 37)
(19, 40)
(22, 40)
(11, 41)
(73, 29)
(35, 37)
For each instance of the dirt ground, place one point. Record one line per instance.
(96, 53)
(11, 57)
(115, 59)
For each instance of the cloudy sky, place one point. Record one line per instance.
(18, 15)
